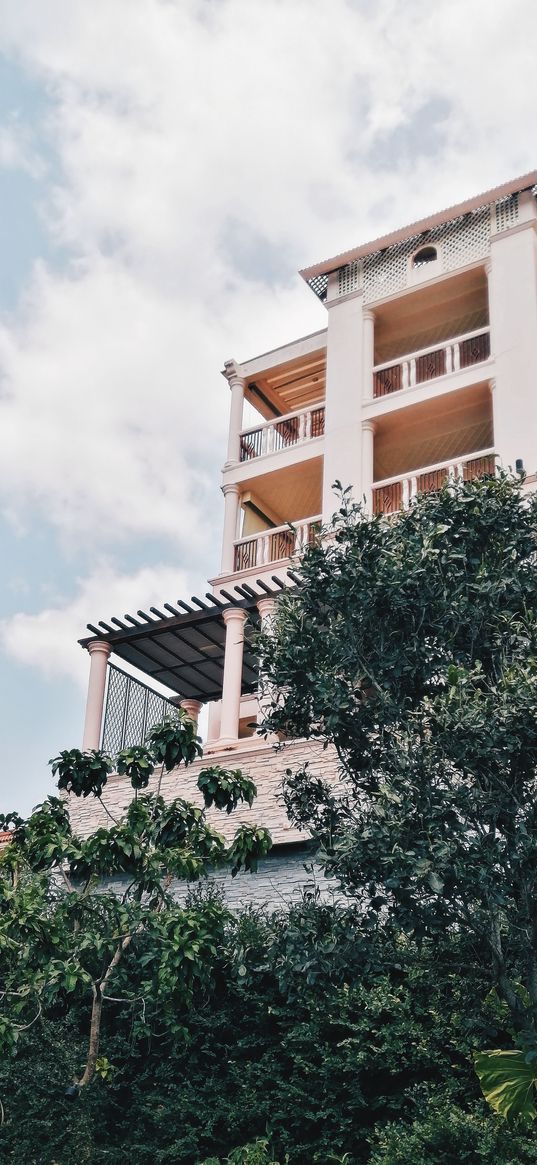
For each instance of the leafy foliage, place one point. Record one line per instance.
(250, 844)
(411, 647)
(225, 788)
(137, 764)
(66, 936)
(508, 1079)
(444, 1135)
(307, 1038)
(173, 747)
(82, 773)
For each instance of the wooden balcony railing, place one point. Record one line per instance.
(293, 429)
(396, 493)
(272, 545)
(429, 363)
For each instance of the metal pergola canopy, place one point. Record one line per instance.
(184, 649)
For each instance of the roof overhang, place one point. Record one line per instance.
(515, 186)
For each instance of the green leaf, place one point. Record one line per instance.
(508, 1083)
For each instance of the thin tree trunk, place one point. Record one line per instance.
(97, 1010)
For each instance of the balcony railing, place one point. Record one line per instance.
(279, 542)
(395, 493)
(293, 429)
(429, 363)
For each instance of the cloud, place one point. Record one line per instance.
(47, 641)
(17, 151)
(203, 151)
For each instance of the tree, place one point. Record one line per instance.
(66, 934)
(411, 648)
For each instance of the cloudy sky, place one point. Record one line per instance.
(166, 166)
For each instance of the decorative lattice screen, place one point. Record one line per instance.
(131, 711)
(349, 278)
(505, 213)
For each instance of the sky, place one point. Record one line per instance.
(166, 167)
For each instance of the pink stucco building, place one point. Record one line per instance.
(427, 368)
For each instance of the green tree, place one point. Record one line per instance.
(411, 648)
(96, 919)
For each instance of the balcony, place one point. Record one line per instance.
(272, 545)
(396, 493)
(429, 363)
(282, 433)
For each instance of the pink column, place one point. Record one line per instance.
(266, 608)
(368, 455)
(192, 709)
(234, 619)
(369, 353)
(236, 384)
(99, 653)
(231, 516)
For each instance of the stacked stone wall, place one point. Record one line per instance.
(264, 764)
(287, 872)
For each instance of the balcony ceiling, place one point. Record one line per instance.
(427, 316)
(290, 494)
(454, 425)
(285, 388)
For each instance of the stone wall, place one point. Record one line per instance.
(265, 765)
(282, 877)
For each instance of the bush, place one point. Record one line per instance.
(445, 1135)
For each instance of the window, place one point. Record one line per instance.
(423, 256)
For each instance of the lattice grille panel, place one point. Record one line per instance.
(349, 278)
(462, 241)
(386, 272)
(506, 213)
(319, 285)
(131, 711)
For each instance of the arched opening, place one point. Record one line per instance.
(423, 256)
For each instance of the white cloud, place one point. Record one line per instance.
(17, 151)
(199, 146)
(48, 640)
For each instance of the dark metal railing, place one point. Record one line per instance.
(388, 499)
(131, 710)
(388, 380)
(474, 350)
(420, 367)
(282, 433)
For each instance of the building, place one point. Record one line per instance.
(427, 369)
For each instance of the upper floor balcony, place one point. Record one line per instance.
(282, 433)
(427, 364)
(396, 493)
(275, 544)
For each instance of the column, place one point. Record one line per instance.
(99, 652)
(192, 709)
(234, 619)
(231, 517)
(266, 608)
(368, 317)
(236, 384)
(368, 453)
(512, 281)
(344, 399)
(492, 390)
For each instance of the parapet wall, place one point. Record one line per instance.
(264, 764)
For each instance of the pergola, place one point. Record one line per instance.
(201, 650)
